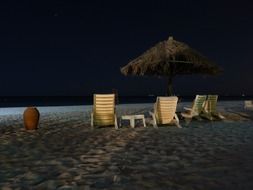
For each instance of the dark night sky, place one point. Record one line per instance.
(78, 47)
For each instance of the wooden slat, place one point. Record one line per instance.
(104, 114)
(104, 95)
(104, 99)
(101, 107)
(165, 121)
(170, 107)
(103, 123)
(167, 102)
(106, 118)
(105, 106)
(166, 118)
(166, 113)
(167, 106)
(168, 98)
(97, 111)
(109, 101)
(104, 102)
(104, 109)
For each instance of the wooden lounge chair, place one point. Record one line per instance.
(196, 110)
(248, 104)
(104, 111)
(210, 108)
(165, 111)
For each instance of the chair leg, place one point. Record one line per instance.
(120, 123)
(177, 121)
(132, 122)
(116, 123)
(188, 121)
(92, 121)
(154, 120)
(144, 123)
(207, 116)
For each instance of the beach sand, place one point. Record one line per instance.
(64, 153)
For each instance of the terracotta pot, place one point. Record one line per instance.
(31, 118)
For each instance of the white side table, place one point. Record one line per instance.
(132, 119)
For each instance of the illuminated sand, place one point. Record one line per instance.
(66, 154)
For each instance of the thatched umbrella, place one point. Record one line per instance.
(168, 59)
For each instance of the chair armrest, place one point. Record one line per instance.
(221, 116)
(186, 115)
(151, 113)
(188, 109)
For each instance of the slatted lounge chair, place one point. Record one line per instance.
(104, 111)
(196, 109)
(165, 111)
(248, 104)
(210, 110)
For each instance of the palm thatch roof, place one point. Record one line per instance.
(170, 57)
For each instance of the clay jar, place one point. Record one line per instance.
(31, 118)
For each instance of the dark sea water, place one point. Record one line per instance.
(25, 101)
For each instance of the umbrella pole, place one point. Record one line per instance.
(169, 86)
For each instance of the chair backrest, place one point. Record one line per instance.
(198, 104)
(165, 108)
(211, 103)
(104, 109)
